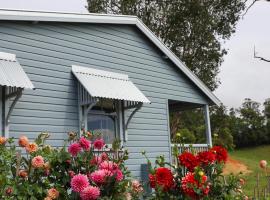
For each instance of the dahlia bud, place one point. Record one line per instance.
(71, 135)
(178, 135)
(89, 134)
(242, 181)
(239, 190)
(263, 164)
(9, 191)
(71, 173)
(47, 172)
(47, 166)
(23, 141)
(201, 173)
(23, 173)
(3, 140)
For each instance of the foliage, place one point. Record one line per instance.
(220, 125)
(202, 25)
(189, 122)
(186, 135)
(194, 177)
(242, 127)
(50, 173)
(21, 177)
(248, 128)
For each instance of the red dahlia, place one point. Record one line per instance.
(152, 180)
(206, 157)
(221, 153)
(194, 188)
(188, 160)
(163, 178)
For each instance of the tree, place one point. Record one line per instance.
(267, 116)
(253, 126)
(220, 125)
(267, 108)
(193, 29)
(190, 124)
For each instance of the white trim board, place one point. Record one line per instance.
(7, 56)
(24, 15)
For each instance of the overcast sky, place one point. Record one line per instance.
(241, 75)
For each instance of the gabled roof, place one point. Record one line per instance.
(23, 15)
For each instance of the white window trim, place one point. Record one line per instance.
(119, 129)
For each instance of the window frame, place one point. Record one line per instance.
(97, 112)
(119, 120)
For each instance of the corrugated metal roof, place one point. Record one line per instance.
(104, 84)
(12, 73)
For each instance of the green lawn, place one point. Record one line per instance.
(251, 157)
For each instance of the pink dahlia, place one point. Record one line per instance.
(99, 144)
(85, 144)
(96, 160)
(109, 165)
(79, 182)
(104, 156)
(37, 162)
(118, 175)
(90, 193)
(74, 149)
(99, 176)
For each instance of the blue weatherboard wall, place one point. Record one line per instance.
(47, 50)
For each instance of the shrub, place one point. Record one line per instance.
(82, 169)
(194, 177)
(24, 177)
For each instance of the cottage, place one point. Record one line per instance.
(61, 72)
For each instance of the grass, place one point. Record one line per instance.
(251, 158)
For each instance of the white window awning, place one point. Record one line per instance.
(12, 73)
(104, 84)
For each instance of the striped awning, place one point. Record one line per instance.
(12, 73)
(104, 84)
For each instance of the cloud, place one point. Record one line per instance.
(242, 75)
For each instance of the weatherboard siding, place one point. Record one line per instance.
(47, 50)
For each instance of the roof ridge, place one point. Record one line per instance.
(63, 12)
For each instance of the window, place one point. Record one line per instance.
(103, 120)
(103, 99)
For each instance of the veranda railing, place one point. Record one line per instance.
(193, 148)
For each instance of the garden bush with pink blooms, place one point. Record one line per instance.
(79, 170)
(86, 169)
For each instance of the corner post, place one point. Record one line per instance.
(207, 125)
